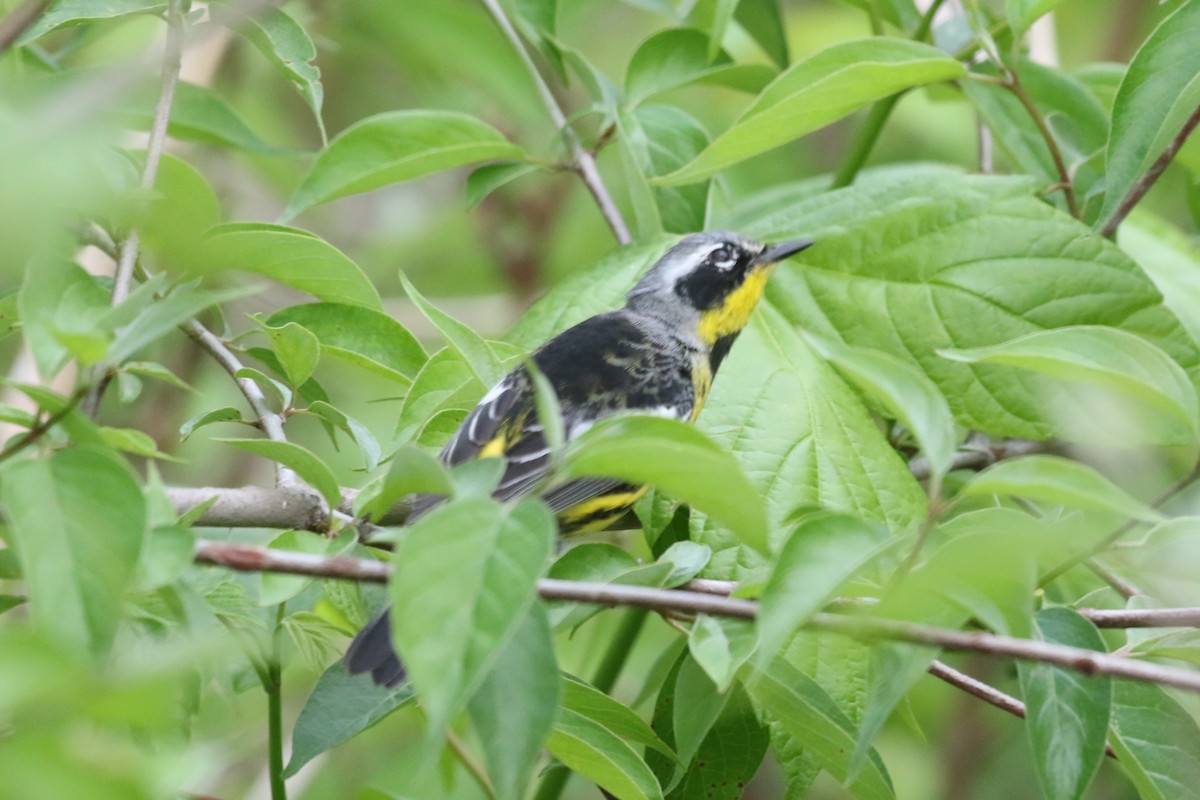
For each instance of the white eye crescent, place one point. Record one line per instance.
(723, 258)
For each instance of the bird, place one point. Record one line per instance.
(657, 355)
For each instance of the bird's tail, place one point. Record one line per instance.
(372, 651)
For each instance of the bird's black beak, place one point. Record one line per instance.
(778, 252)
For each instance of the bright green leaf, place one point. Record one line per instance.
(297, 349)
(471, 346)
(1157, 742)
(720, 646)
(397, 146)
(287, 45)
(592, 750)
(680, 56)
(74, 12)
(360, 336)
(308, 466)
(225, 414)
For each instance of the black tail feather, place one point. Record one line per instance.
(372, 651)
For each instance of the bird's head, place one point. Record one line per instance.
(709, 283)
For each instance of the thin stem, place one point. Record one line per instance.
(582, 160)
(1014, 85)
(1143, 184)
(864, 141)
(19, 20)
(172, 58)
(270, 422)
(274, 689)
(472, 765)
(40, 429)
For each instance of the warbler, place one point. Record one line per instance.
(657, 355)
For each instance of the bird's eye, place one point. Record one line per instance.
(723, 258)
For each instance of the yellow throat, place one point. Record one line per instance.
(732, 315)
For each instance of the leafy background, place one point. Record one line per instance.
(361, 203)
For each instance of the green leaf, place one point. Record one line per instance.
(225, 414)
(720, 646)
(592, 750)
(1171, 260)
(471, 346)
(296, 348)
(678, 57)
(183, 208)
(360, 336)
(904, 392)
(687, 559)
(151, 369)
(73, 12)
(515, 706)
(340, 706)
(359, 432)
(817, 558)
(1159, 91)
(598, 707)
(1022, 14)
(729, 755)
(198, 114)
(77, 521)
(464, 579)
(445, 381)
(276, 588)
(1061, 481)
(486, 179)
(411, 470)
(810, 715)
(306, 464)
(163, 315)
(1067, 712)
(987, 262)
(695, 704)
(288, 47)
(763, 20)
(397, 146)
(679, 460)
(1105, 357)
(817, 91)
(290, 256)
(664, 138)
(166, 553)
(1157, 742)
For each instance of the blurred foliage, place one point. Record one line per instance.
(361, 200)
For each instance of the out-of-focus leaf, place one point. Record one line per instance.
(397, 146)
(198, 114)
(287, 45)
(1158, 93)
(514, 708)
(823, 551)
(73, 12)
(276, 588)
(818, 91)
(340, 706)
(1067, 712)
(464, 579)
(720, 646)
(1105, 357)
(290, 256)
(183, 208)
(1023, 13)
(490, 177)
(763, 20)
(680, 56)
(410, 471)
(164, 315)
(77, 521)
(1053, 479)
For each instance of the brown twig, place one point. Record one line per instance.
(40, 428)
(582, 161)
(1013, 83)
(259, 559)
(1143, 184)
(19, 20)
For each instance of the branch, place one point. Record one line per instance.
(1013, 84)
(172, 57)
(1143, 184)
(983, 452)
(251, 558)
(270, 422)
(582, 160)
(17, 22)
(19, 443)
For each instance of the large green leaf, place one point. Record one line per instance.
(464, 579)
(514, 708)
(305, 463)
(361, 336)
(77, 521)
(476, 352)
(676, 458)
(291, 256)
(397, 146)
(1053, 479)
(912, 260)
(810, 715)
(594, 751)
(74, 12)
(1108, 358)
(818, 91)
(1157, 742)
(340, 706)
(678, 57)
(1067, 712)
(1160, 89)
